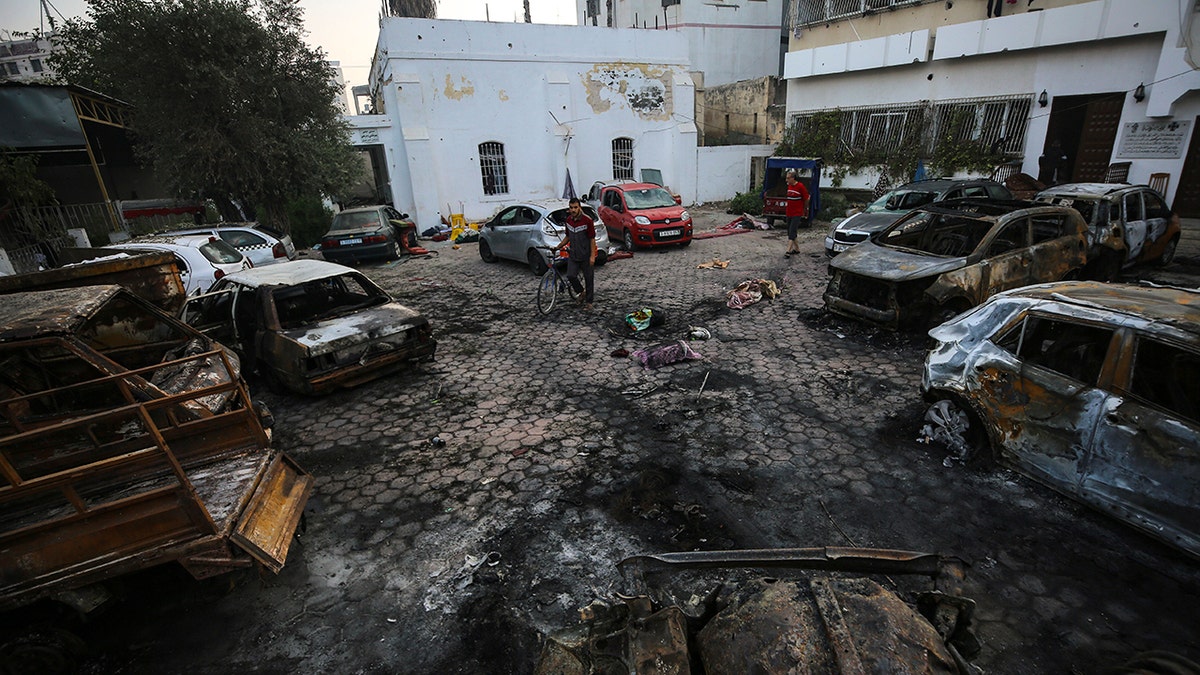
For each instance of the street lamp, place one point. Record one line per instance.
(1043, 99)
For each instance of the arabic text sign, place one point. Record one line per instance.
(1154, 139)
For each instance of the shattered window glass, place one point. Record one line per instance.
(324, 299)
(1168, 377)
(1074, 350)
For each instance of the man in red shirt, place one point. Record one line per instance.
(581, 236)
(797, 211)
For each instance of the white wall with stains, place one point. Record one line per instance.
(554, 96)
(728, 41)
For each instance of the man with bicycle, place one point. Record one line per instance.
(581, 241)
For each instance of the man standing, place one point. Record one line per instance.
(581, 236)
(797, 210)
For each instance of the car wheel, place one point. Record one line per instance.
(485, 252)
(956, 427)
(1168, 253)
(685, 243)
(396, 251)
(769, 221)
(536, 264)
(627, 239)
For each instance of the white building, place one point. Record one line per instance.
(728, 40)
(473, 115)
(1108, 79)
(25, 60)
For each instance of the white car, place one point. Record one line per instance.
(202, 258)
(262, 245)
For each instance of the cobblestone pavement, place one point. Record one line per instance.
(559, 459)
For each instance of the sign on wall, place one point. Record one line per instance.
(364, 136)
(1154, 139)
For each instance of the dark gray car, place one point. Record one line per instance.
(887, 209)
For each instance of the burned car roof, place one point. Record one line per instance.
(55, 312)
(295, 272)
(1177, 306)
(1087, 189)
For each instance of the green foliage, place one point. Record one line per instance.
(19, 184)
(747, 202)
(822, 135)
(310, 219)
(229, 102)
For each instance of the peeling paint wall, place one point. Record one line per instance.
(642, 88)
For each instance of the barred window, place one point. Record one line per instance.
(807, 12)
(622, 158)
(495, 171)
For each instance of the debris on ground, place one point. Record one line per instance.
(744, 223)
(698, 333)
(751, 291)
(662, 355)
(714, 263)
(646, 317)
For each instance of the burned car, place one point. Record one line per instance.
(1090, 388)
(943, 259)
(694, 623)
(312, 326)
(1127, 224)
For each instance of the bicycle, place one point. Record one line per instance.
(554, 282)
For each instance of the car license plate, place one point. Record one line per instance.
(839, 247)
(670, 233)
(347, 242)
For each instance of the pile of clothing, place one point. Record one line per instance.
(751, 291)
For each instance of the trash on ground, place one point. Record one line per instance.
(698, 333)
(714, 263)
(751, 291)
(620, 352)
(646, 317)
(662, 355)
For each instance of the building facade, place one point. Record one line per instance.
(1105, 83)
(470, 116)
(26, 60)
(728, 40)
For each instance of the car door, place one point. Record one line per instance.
(1136, 227)
(612, 212)
(1041, 394)
(212, 314)
(253, 246)
(1007, 258)
(1145, 459)
(505, 234)
(1158, 219)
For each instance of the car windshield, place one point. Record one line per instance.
(937, 234)
(355, 221)
(220, 253)
(648, 198)
(901, 200)
(312, 301)
(1087, 207)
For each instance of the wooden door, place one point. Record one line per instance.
(1100, 122)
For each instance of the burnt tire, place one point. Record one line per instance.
(485, 252)
(51, 650)
(536, 264)
(952, 424)
(1168, 253)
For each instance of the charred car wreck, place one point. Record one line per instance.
(1090, 388)
(128, 440)
(945, 258)
(312, 326)
(812, 624)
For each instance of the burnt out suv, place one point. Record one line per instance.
(945, 258)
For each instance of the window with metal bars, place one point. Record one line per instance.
(998, 122)
(808, 12)
(622, 158)
(493, 167)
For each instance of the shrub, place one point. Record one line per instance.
(308, 219)
(747, 202)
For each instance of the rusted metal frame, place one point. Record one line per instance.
(243, 394)
(191, 501)
(115, 506)
(840, 636)
(33, 434)
(93, 110)
(67, 477)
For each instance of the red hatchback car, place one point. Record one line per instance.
(643, 215)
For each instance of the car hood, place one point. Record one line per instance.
(870, 222)
(368, 325)
(880, 262)
(659, 213)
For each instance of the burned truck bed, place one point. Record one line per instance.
(128, 440)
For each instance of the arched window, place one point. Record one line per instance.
(622, 151)
(493, 167)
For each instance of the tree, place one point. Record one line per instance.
(228, 100)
